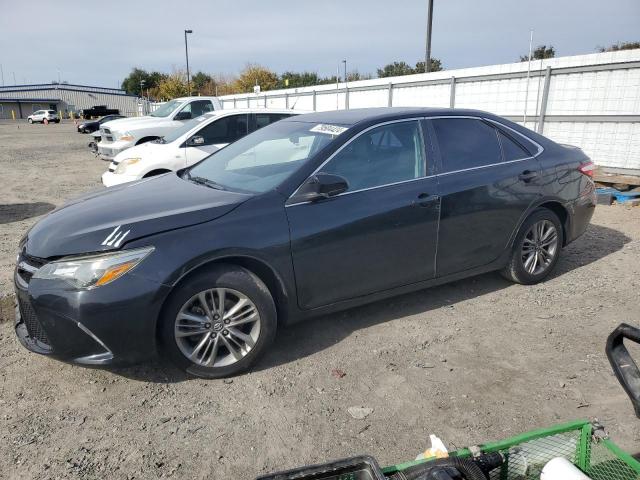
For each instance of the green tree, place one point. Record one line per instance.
(201, 80)
(297, 79)
(173, 86)
(620, 46)
(436, 66)
(149, 80)
(395, 69)
(253, 75)
(540, 53)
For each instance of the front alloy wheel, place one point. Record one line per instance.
(217, 327)
(218, 321)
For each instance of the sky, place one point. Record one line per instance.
(98, 43)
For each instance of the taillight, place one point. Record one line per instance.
(587, 169)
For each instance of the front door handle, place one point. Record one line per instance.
(528, 175)
(425, 200)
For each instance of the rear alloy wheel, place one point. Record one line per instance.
(218, 322)
(536, 249)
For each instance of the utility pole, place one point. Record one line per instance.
(526, 92)
(345, 73)
(427, 57)
(58, 76)
(14, 78)
(2, 74)
(338, 88)
(186, 52)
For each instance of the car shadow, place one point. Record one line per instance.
(306, 338)
(15, 212)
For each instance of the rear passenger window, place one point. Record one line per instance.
(466, 143)
(264, 119)
(511, 150)
(226, 130)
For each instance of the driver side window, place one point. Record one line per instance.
(387, 154)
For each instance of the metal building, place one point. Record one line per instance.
(23, 100)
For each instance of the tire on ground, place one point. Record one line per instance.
(514, 270)
(223, 275)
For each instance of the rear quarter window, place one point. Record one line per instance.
(466, 143)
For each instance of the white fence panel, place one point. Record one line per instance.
(592, 101)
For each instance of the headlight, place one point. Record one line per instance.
(95, 270)
(126, 136)
(127, 162)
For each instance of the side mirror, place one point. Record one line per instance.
(623, 365)
(182, 116)
(195, 141)
(321, 185)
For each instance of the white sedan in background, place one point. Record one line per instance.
(195, 140)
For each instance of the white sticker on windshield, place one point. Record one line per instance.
(328, 129)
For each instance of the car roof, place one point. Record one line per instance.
(229, 111)
(349, 118)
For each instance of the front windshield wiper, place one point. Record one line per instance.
(203, 181)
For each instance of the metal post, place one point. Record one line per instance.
(390, 95)
(234, 102)
(265, 100)
(186, 53)
(427, 57)
(526, 94)
(314, 100)
(452, 93)
(346, 86)
(286, 101)
(545, 98)
(337, 88)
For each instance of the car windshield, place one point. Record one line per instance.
(166, 109)
(264, 159)
(173, 135)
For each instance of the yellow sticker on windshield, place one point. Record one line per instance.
(328, 129)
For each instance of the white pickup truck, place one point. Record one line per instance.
(118, 135)
(184, 146)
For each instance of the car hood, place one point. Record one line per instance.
(110, 218)
(123, 124)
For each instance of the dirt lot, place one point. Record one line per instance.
(473, 361)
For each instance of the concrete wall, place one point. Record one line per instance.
(592, 101)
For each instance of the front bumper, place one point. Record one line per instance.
(109, 179)
(108, 151)
(110, 325)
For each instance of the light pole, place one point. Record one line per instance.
(346, 87)
(186, 52)
(427, 57)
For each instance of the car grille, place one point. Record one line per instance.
(26, 268)
(107, 136)
(30, 320)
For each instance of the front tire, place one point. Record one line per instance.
(217, 323)
(30, 120)
(536, 249)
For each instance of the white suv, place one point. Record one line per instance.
(118, 135)
(42, 115)
(189, 144)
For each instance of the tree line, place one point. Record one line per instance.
(163, 86)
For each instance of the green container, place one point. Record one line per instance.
(579, 442)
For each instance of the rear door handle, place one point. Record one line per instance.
(528, 175)
(425, 200)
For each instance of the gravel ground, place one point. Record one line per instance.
(477, 360)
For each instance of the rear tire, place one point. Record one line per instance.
(536, 249)
(224, 318)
